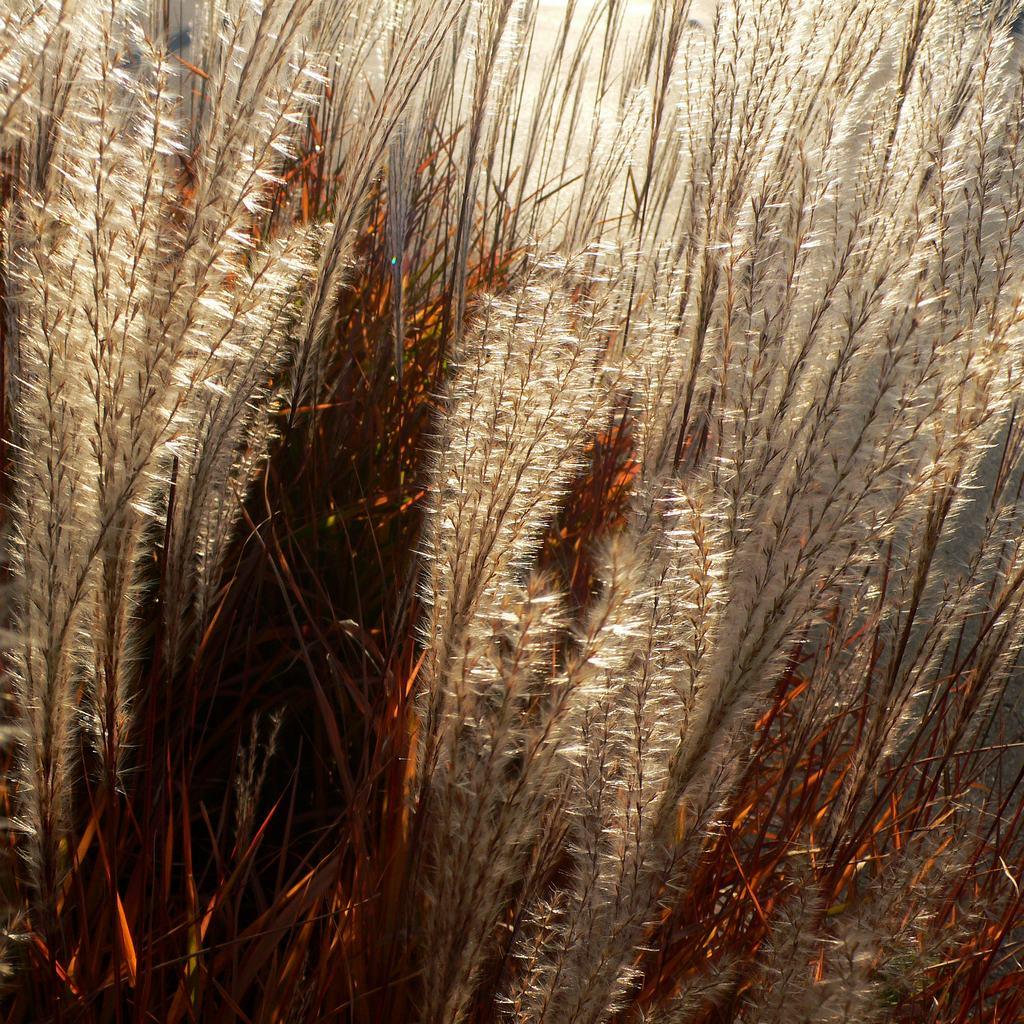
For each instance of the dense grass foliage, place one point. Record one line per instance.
(512, 513)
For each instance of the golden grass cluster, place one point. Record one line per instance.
(512, 523)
